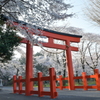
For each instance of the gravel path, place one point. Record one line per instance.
(6, 94)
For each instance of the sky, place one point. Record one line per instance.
(80, 19)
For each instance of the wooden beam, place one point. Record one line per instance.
(55, 46)
(60, 37)
(24, 40)
(51, 35)
(52, 45)
(58, 46)
(74, 48)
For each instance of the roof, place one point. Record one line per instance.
(61, 33)
(5, 18)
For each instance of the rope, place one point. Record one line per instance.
(53, 52)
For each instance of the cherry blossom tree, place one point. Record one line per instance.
(89, 52)
(13, 67)
(33, 14)
(93, 11)
(88, 57)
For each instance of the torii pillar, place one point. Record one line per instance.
(29, 68)
(69, 66)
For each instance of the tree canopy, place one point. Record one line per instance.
(34, 12)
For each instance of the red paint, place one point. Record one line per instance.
(20, 85)
(53, 83)
(85, 84)
(84, 78)
(70, 67)
(97, 77)
(40, 84)
(40, 92)
(29, 68)
(14, 84)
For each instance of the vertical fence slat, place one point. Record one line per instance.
(40, 84)
(20, 84)
(14, 84)
(52, 83)
(84, 80)
(61, 82)
(96, 71)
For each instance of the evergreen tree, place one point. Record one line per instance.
(8, 41)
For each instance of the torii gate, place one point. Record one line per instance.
(51, 35)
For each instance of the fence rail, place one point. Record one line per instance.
(40, 92)
(84, 78)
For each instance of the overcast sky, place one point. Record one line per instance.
(80, 20)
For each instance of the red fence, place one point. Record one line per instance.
(40, 79)
(60, 79)
(84, 78)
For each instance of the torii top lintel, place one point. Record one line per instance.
(51, 35)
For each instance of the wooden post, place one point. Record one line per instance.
(70, 66)
(84, 81)
(20, 85)
(40, 84)
(14, 84)
(96, 71)
(29, 68)
(53, 83)
(61, 82)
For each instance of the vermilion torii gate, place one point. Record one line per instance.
(51, 35)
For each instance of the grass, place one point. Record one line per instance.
(44, 85)
(90, 82)
(80, 83)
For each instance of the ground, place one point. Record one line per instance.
(6, 94)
